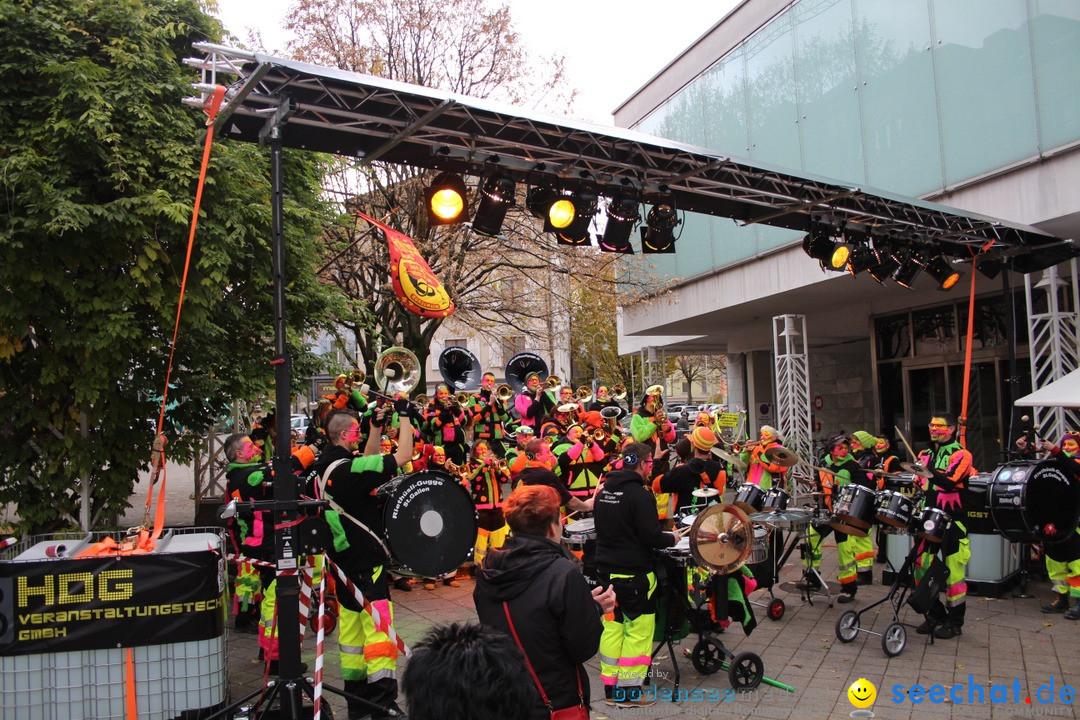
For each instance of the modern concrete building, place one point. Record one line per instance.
(971, 103)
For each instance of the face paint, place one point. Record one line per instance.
(573, 434)
(249, 452)
(1070, 447)
(442, 393)
(352, 435)
(487, 382)
(565, 395)
(533, 383)
(839, 452)
(939, 430)
(767, 436)
(856, 446)
(882, 446)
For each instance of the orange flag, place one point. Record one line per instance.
(414, 283)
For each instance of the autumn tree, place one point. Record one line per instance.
(518, 282)
(98, 165)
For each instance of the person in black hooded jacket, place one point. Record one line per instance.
(556, 617)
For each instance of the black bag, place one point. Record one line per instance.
(932, 584)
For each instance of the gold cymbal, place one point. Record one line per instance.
(782, 456)
(721, 538)
(916, 469)
(728, 457)
(825, 470)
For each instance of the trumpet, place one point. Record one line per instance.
(554, 381)
(462, 398)
(739, 447)
(504, 392)
(599, 434)
(618, 393)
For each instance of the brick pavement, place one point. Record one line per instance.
(1005, 639)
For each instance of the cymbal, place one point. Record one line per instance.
(705, 492)
(793, 515)
(825, 470)
(728, 457)
(782, 456)
(882, 472)
(916, 469)
(721, 538)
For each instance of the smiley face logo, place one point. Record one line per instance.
(862, 693)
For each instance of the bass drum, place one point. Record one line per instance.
(1034, 502)
(430, 523)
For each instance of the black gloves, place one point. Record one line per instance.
(402, 405)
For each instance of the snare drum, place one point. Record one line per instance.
(854, 510)
(749, 498)
(895, 510)
(577, 533)
(776, 499)
(430, 522)
(760, 552)
(933, 524)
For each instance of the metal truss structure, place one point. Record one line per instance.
(1053, 309)
(793, 383)
(373, 119)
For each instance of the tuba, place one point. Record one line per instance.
(397, 371)
(521, 366)
(460, 369)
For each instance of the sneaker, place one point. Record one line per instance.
(451, 582)
(429, 584)
(846, 597)
(1074, 612)
(946, 631)
(924, 629)
(402, 584)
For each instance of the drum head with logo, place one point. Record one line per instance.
(430, 523)
(1034, 502)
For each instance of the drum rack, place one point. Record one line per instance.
(799, 537)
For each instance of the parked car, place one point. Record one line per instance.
(674, 410)
(299, 425)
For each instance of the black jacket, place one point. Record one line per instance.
(627, 526)
(554, 614)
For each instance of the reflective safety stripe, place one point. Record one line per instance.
(631, 661)
(376, 650)
(608, 659)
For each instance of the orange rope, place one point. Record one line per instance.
(967, 349)
(210, 107)
(132, 703)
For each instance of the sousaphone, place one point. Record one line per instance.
(397, 370)
(460, 369)
(521, 366)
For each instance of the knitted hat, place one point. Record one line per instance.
(703, 438)
(866, 439)
(593, 419)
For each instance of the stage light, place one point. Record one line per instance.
(883, 269)
(576, 231)
(906, 273)
(658, 234)
(445, 197)
(561, 213)
(496, 197)
(943, 273)
(862, 257)
(830, 252)
(622, 215)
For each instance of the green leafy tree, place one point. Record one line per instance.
(98, 165)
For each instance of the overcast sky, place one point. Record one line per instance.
(612, 47)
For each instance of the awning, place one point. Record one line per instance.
(1064, 392)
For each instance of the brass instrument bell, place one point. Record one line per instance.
(554, 381)
(504, 392)
(618, 393)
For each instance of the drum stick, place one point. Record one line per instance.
(571, 514)
(911, 452)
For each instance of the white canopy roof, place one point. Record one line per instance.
(1064, 392)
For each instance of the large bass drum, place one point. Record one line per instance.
(430, 522)
(1034, 502)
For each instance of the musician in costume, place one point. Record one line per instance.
(251, 533)
(603, 399)
(566, 397)
(1062, 559)
(348, 483)
(539, 469)
(759, 469)
(490, 416)
(700, 472)
(951, 466)
(888, 463)
(628, 531)
(862, 452)
(485, 479)
(842, 470)
(448, 423)
(534, 402)
(582, 462)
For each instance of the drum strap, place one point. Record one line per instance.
(341, 511)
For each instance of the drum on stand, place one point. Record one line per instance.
(749, 498)
(854, 510)
(1034, 502)
(894, 510)
(776, 499)
(933, 524)
(430, 523)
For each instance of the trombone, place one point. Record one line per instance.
(504, 392)
(553, 381)
(583, 395)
